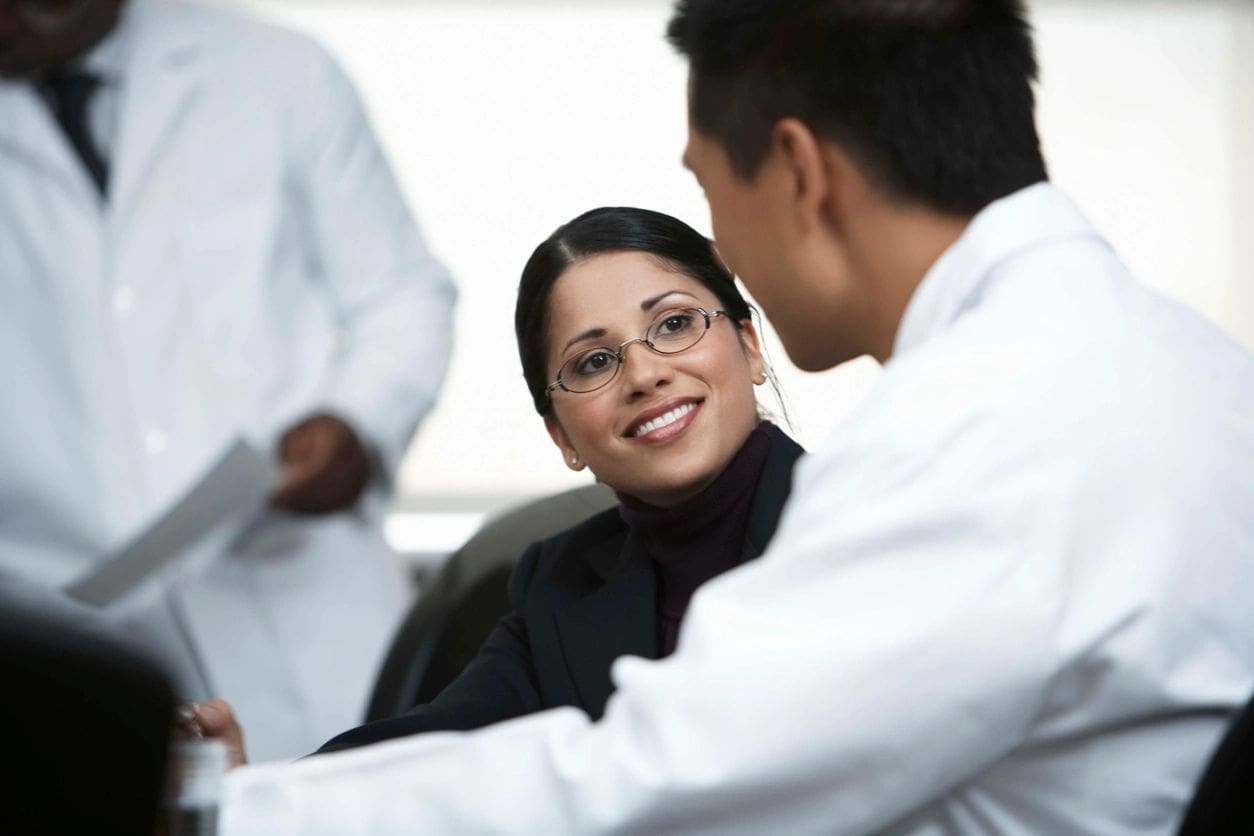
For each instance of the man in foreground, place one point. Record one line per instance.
(1009, 595)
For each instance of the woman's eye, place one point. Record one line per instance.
(594, 362)
(673, 324)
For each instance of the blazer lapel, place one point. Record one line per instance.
(618, 618)
(774, 486)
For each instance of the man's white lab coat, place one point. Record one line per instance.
(1011, 594)
(254, 263)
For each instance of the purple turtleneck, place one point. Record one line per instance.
(701, 537)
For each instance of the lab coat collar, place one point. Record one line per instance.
(107, 57)
(29, 132)
(161, 81)
(1032, 217)
(161, 40)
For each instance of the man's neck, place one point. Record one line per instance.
(892, 248)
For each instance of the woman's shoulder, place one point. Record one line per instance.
(575, 555)
(601, 530)
(783, 445)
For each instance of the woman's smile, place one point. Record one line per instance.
(664, 422)
(667, 422)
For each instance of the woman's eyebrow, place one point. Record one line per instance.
(648, 304)
(590, 334)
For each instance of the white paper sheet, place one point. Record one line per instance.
(235, 486)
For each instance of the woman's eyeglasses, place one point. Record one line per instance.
(673, 331)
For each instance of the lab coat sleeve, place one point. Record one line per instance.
(895, 639)
(393, 300)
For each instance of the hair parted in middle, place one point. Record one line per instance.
(671, 242)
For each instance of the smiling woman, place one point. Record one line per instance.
(642, 358)
(665, 419)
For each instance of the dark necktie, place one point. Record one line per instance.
(69, 93)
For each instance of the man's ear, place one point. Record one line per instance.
(752, 344)
(824, 179)
(799, 157)
(570, 456)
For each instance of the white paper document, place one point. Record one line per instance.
(237, 485)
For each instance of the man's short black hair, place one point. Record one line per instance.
(932, 98)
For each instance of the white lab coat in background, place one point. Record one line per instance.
(254, 263)
(1011, 595)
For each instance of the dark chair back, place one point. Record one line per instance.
(86, 727)
(1224, 800)
(457, 610)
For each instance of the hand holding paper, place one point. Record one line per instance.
(325, 466)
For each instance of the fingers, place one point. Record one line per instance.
(217, 722)
(185, 725)
(326, 468)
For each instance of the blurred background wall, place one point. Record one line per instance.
(505, 118)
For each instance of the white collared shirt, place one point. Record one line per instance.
(1011, 595)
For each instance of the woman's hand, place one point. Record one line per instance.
(216, 720)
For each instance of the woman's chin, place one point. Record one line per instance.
(667, 493)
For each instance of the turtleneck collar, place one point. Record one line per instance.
(701, 537)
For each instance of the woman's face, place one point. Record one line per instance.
(707, 389)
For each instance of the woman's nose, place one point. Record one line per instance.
(643, 368)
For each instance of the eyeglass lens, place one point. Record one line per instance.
(671, 332)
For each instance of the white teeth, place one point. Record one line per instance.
(663, 420)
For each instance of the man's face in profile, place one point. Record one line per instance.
(750, 219)
(733, 208)
(38, 34)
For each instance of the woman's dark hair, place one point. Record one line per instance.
(674, 244)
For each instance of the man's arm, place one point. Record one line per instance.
(894, 641)
(394, 301)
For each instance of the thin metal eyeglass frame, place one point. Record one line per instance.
(620, 358)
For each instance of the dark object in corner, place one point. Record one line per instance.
(86, 730)
(1224, 800)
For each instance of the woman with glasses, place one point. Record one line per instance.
(642, 358)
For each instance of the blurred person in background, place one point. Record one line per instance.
(672, 424)
(1009, 594)
(200, 240)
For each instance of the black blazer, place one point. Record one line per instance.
(581, 599)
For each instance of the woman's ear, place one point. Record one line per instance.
(752, 345)
(569, 454)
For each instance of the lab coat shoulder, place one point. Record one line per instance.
(1061, 360)
(311, 148)
(224, 35)
(281, 76)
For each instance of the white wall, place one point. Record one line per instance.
(504, 119)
